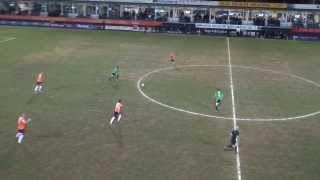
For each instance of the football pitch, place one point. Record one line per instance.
(169, 128)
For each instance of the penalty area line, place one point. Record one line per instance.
(233, 109)
(9, 39)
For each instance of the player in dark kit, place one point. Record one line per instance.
(235, 133)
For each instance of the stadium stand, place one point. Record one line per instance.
(272, 20)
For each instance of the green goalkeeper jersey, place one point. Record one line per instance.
(218, 95)
(116, 71)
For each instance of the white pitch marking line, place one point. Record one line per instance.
(234, 110)
(228, 118)
(9, 39)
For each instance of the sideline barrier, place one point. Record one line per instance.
(227, 26)
(306, 33)
(52, 25)
(66, 20)
(306, 30)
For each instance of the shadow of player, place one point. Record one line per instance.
(31, 99)
(117, 133)
(34, 98)
(115, 85)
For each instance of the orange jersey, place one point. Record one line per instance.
(172, 56)
(117, 108)
(40, 77)
(21, 123)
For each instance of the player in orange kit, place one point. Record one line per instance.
(116, 112)
(172, 57)
(39, 82)
(22, 122)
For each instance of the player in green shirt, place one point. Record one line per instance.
(115, 73)
(218, 96)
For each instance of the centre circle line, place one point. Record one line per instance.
(222, 117)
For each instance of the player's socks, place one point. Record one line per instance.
(20, 138)
(119, 117)
(35, 88)
(112, 119)
(217, 105)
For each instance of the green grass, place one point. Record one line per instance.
(70, 138)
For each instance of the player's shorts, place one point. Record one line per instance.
(116, 114)
(218, 101)
(39, 83)
(20, 131)
(233, 141)
(113, 74)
